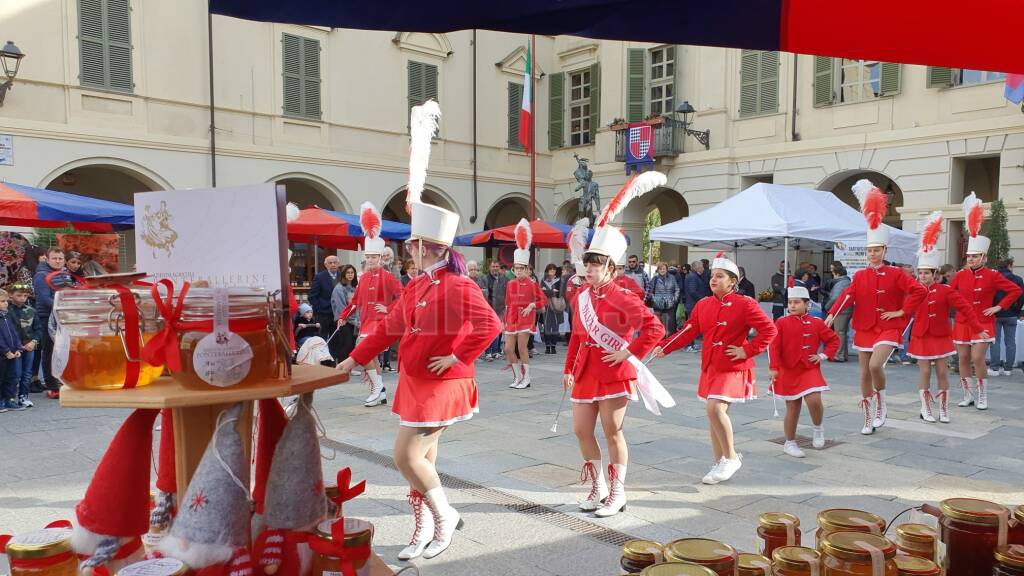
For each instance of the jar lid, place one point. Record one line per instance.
(777, 520)
(1018, 513)
(794, 557)
(857, 546)
(357, 532)
(242, 303)
(1012, 555)
(40, 543)
(916, 566)
(703, 551)
(100, 305)
(677, 569)
(847, 519)
(155, 567)
(972, 510)
(753, 565)
(918, 533)
(642, 550)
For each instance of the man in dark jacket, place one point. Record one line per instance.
(746, 287)
(779, 292)
(1006, 326)
(44, 307)
(497, 282)
(320, 296)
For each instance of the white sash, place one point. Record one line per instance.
(651, 391)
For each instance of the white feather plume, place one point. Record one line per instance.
(577, 240)
(292, 210)
(634, 187)
(422, 127)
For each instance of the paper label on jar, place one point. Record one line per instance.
(222, 358)
(61, 350)
(156, 567)
(41, 537)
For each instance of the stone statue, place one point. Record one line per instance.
(589, 202)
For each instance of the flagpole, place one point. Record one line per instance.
(533, 129)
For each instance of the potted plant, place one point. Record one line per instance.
(618, 124)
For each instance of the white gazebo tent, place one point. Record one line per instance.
(769, 216)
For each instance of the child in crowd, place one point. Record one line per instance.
(26, 323)
(10, 353)
(305, 325)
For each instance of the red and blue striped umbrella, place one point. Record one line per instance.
(38, 207)
(545, 235)
(339, 230)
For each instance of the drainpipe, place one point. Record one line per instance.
(213, 120)
(472, 219)
(794, 135)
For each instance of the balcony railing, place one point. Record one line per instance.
(668, 139)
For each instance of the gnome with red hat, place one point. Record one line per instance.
(210, 534)
(270, 423)
(294, 500)
(113, 516)
(166, 504)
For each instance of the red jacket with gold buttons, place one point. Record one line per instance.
(377, 286)
(629, 284)
(800, 337)
(725, 322)
(877, 290)
(520, 293)
(932, 316)
(979, 288)
(622, 313)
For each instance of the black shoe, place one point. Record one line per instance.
(53, 385)
(35, 386)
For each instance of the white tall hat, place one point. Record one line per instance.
(724, 263)
(974, 216)
(429, 223)
(927, 255)
(524, 239)
(371, 223)
(874, 206)
(609, 240)
(433, 224)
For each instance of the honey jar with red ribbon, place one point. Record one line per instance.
(45, 552)
(342, 547)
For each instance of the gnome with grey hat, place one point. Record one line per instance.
(210, 534)
(294, 502)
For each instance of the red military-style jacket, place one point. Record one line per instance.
(724, 322)
(800, 337)
(520, 293)
(439, 313)
(877, 290)
(979, 288)
(622, 313)
(631, 285)
(377, 286)
(932, 315)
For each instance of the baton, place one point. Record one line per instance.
(554, 425)
(670, 340)
(332, 335)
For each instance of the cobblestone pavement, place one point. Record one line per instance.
(516, 483)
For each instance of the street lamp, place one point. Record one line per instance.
(704, 137)
(10, 57)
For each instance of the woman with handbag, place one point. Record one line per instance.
(664, 296)
(551, 285)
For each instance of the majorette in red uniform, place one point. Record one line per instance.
(883, 298)
(727, 358)
(376, 292)
(603, 365)
(978, 285)
(629, 285)
(795, 364)
(931, 336)
(444, 324)
(523, 298)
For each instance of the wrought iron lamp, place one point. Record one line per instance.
(687, 111)
(10, 57)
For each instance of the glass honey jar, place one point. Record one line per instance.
(92, 342)
(719, 557)
(858, 554)
(358, 536)
(846, 520)
(677, 569)
(916, 566)
(639, 554)
(1009, 561)
(155, 567)
(1016, 534)
(969, 530)
(753, 565)
(916, 540)
(796, 561)
(247, 357)
(775, 529)
(45, 552)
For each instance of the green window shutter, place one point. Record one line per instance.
(515, 103)
(104, 40)
(430, 83)
(940, 77)
(750, 62)
(311, 78)
(671, 52)
(422, 85)
(291, 70)
(769, 82)
(119, 45)
(595, 100)
(91, 43)
(889, 81)
(556, 111)
(823, 94)
(635, 88)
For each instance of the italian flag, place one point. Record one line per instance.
(525, 110)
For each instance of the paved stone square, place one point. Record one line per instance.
(516, 482)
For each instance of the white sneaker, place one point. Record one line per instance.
(446, 521)
(865, 406)
(424, 531)
(1005, 372)
(943, 398)
(992, 372)
(819, 437)
(712, 476)
(598, 486)
(880, 411)
(926, 405)
(792, 449)
(616, 500)
(729, 468)
(968, 395)
(982, 403)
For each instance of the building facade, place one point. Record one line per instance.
(113, 97)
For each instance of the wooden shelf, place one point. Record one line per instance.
(167, 393)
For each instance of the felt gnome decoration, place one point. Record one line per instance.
(270, 423)
(166, 504)
(524, 240)
(295, 502)
(211, 531)
(114, 514)
(874, 206)
(931, 229)
(609, 240)
(974, 216)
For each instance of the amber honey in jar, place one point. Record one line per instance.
(677, 569)
(846, 520)
(155, 567)
(247, 355)
(1016, 535)
(916, 566)
(916, 540)
(1009, 561)
(796, 561)
(969, 530)
(45, 552)
(639, 554)
(753, 565)
(775, 529)
(91, 344)
(858, 554)
(719, 557)
(358, 534)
